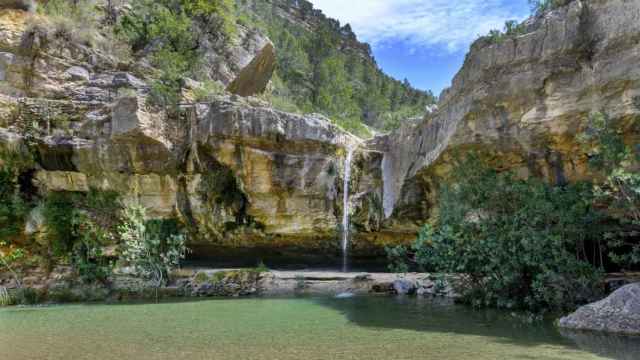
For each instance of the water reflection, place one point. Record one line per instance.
(606, 345)
(442, 316)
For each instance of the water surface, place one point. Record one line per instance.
(354, 328)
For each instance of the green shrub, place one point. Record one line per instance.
(620, 190)
(522, 243)
(13, 208)
(58, 212)
(152, 247)
(9, 258)
(78, 228)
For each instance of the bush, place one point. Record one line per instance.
(79, 226)
(13, 208)
(620, 190)
(58, 212)
(522, 243)
(153, 247)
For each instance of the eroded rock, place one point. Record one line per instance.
(254, 78)
(618, 313)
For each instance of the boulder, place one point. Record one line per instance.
(404, 287)
(618, 313)
(132, 123)
(78, 73)
(255, 77)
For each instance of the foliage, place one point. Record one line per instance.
(153, 247)
(325, 70)
(620, 190)
(88, 258)
(79, 227)
(174, 31)
(9, 257)
(58, 214)
(522, 243)
(13, 208)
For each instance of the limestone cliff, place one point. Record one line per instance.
(524, 100)
(240, 175)
(235, 172)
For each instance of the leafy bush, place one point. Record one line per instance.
(9, 257)
(620, 190)
(522, 243)
(79, 226)
(13, 208)
(153, 247)
(58, 212)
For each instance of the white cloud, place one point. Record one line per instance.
(449, 24)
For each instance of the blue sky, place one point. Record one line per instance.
(424, 41)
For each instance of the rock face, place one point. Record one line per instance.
(236, 173)
(524, 101)
(255, 77)
(240, 175)
(619, 313)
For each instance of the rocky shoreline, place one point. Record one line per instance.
(62, 287)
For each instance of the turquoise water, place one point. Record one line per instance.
(355, 328)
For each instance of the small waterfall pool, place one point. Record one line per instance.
(294, 328)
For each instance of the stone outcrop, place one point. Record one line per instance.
(254, 78)
(523, 101)
(618, 313)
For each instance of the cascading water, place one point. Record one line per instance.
(346, 209)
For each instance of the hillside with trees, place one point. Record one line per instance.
(322, 67)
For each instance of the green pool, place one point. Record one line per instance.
(355, 328)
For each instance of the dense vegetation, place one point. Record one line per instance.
(325, 69)
(524, 243)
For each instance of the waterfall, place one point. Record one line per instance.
(345, 208)
(388, 186)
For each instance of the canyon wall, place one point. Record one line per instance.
(523, 101)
